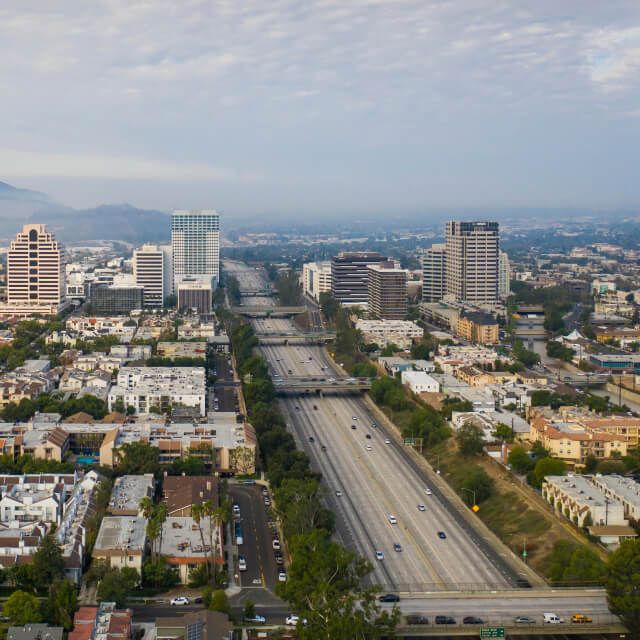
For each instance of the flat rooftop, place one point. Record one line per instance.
(181, 537)
(121, 534)
(128, 492)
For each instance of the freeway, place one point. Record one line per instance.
(387, 480)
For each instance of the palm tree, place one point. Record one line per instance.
(147, 507)
(197, 512)
(160, 514)
(154, 530)
(209, 509)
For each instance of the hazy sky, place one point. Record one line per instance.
(252, 106)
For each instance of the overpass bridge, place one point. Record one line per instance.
(256, 292)
(586, 379)
(512, 630)
(267, 311)
(316, 337)
(304, 384)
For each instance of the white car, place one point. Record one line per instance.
(242, 563)
(180, 601)
(427, 491)
(369, 447)
(392, 519)
(282, 576)
(379, 555)
(276, 544)
(387, 441)
(420, 507)
(339, 493)
(236, 510)
(292, 620)
(354, 417)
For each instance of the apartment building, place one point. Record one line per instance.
(626, 491)
(182, 349)
(180, 493)
(128, 352)
(146, 387)
(121, 542)
(471, 261)
(350, 277)
(150, 266)
(504, 275)
(35, 273)
(478, 327)
(128, 492)
(316, 278)
(116, 299)
(195, 243)
(382, 332)
(419, 382)
(433, 273)
(104, 622)
(387, 286)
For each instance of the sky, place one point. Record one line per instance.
(257, 107)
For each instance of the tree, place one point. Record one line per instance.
(220, 602)
(22, 608)
(520, 460)
(329, 305)
(622, 581)
(249, 611)
(585, 567)
(116, 585)
(389, 350)
(590, 464)
(62, 603)
(479, 483)
(503, 432)
(48, 564)
(138, 458)
(426, 423)
(547, 467)
(470, 438)
(608, 467)
(420, 351)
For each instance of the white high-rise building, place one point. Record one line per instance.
(471, 261)
(433, 277)
(35, 273)
(149, 271)
(195, 243)
(316, 278)
(504, 275)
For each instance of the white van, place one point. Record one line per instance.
(552, 618)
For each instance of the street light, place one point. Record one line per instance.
(438, 464)
(471, 491)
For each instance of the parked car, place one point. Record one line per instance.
(292, 620)
(242, 563)
(180, 601)
(282, 576)
(257, 619)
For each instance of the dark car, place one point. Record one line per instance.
(353, 426)
(442, 534)
(415, 619)
(522, 583)
(312, 439)
(473, 620)
(368, 436)
(445, 620)
(324, 448)
(389, 597)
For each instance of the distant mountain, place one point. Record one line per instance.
(106, 222)
(9, 192)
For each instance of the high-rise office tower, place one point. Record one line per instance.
(433, 277)
(195, 242)
(35, 272)
(471, 261)
(387, 291)
(504, 275)
(149, 271)
(350, 278)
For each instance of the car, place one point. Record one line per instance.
(353, 426)
(524, 620)
(389, 597)
(236, 509)
(379, 555)
(445, 620)
(368, 436)
(442, 535)
(267, 501)
(323, 447)
(416, 619)
(292, 620)
(339, 493)
(387, 441)
(282, 576)
(369, 447)
(552, 618)
(279, 560)
(472, 620)
(242, 563)
(580, 618)
(420, 507)
(315, 407)
(180, 601)
(312, 439)
(374, 425)
(354, 417)
(276, 544)
(397, 547)
(257, 619)
(427, 491)
(392, 519)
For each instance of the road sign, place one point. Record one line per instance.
(524, 553)
(492, 632)
(476, 508)
(409, 441)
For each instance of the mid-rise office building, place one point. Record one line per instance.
(387, 291)
(433, 278)
(193, 294)
(35, 273)
(504, 275)
(149, 271)
(350, 276)
(115, 300)
(471, 261)
(195, 242)
(316, 278)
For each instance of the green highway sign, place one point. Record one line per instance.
(409, 441)
(492, 632)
